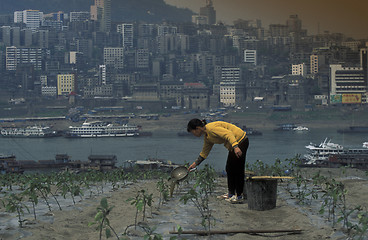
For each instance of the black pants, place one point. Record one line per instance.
(235, 168)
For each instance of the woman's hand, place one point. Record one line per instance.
(192, 166)
(238, 152)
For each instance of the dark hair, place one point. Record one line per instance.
(194, 123)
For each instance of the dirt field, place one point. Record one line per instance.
(72, 221)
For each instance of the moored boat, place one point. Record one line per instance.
(102, 129)
(300, 129)
(285, 127)
(328, 154)
(29, 131)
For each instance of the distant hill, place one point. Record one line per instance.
(122, 10)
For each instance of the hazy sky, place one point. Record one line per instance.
(348, 17)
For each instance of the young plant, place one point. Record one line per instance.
(199, 194)
(162, 187)
(101, 218)
(14, 203)
(141, 201)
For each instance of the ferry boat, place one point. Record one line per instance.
(29, 131)
(317, 154)
(300, 129)
(285, 127)
(332, 154)
(102, 129)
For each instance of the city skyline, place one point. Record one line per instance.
(317, 16)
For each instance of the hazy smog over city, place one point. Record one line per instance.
(348, 17)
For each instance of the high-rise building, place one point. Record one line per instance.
(32, 18)
(209, 12)
(142, 59)
(230, 74)
(314, 64)
(232, 93)
(65, 84)
(127, 33)
(250, 56)
(18, 16)
(6, 35)
(19, 56)
(102, 79)
(101, 12)
(199, 20)
(114, 56)
(364, 63)
(294, 23)
(79, 16)
(347, 82)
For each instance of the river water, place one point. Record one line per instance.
(167, 145)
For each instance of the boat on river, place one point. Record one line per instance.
(29, 131)
(102, 129)
(285, 127)
(328, 154)
(319, 153)
(300, 129)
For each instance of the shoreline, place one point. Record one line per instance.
(178, 122)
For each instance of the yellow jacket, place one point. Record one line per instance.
(220, 132)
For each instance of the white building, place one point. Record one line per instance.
(102, 75)
(32, 18)
(127, 33)
(250, 56)
(15, 56)
(18, 16)
(231, 93)
(347, 80)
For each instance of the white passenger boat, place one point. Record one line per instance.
(102, 129)
(365, 144)
(317, 154)
(29, 131)
(328, 152)
(300, 129)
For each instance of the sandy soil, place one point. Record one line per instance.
(72, 221)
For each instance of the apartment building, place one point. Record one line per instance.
(347, 84)
(299, 70)
(250, 56)
(65, 84)
(114, 56)
(32, 18)
(79, 16)
(127, 33)
(18, 56)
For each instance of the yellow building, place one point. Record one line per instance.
(65, 84)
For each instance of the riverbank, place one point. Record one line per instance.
(260, 119)
(72, 222)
